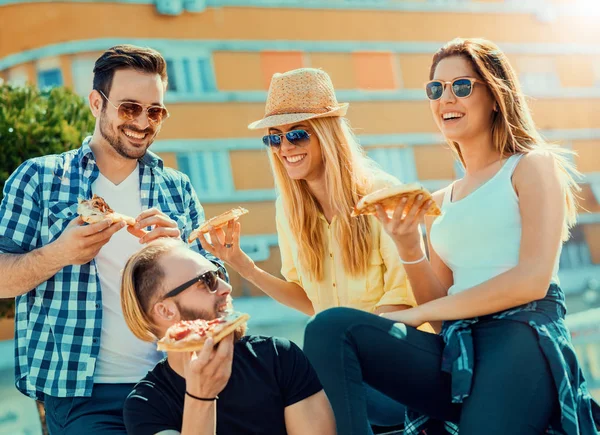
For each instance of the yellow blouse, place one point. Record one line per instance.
(385, 282)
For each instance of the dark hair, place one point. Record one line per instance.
(126, 56)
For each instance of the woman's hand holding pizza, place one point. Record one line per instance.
(225, 244)
(207, 372)
(161, 226)
(403, 226)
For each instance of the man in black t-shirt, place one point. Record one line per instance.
(244, 385)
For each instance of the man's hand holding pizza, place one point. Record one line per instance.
(161, 226)
(80, 243)
(207, 372)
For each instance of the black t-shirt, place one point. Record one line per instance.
(268, 374)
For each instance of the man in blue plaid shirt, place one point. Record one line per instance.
(73, 348)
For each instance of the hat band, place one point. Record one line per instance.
(294, 110)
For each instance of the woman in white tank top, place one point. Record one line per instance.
(503, 363)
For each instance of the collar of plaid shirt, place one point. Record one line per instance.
(58, 324)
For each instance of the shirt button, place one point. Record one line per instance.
(95, 340)
(97, 306)
(334, 284)
(331, 254)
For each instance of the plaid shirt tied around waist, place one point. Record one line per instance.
(579, 414)
(58, 324)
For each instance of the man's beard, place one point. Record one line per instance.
(117, 144)
(193, 314)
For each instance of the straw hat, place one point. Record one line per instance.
(298, 95)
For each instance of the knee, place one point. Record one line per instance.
(329, 325)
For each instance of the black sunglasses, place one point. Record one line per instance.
(461, 88)
(210, 280)
(295, 137)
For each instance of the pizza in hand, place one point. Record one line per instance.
(96, 210)
(190, 335)
(217, 222)
(390, 197)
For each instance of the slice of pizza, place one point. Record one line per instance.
(389, 198)
(190, 335)
(217, 222)
(96, 210)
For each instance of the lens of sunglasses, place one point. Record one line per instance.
(211, 280)
(462, 88)
(434, 90)
(129, 111)
(272, 140)
(295, 137)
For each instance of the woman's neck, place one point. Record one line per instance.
(318, 187)
(478, 153)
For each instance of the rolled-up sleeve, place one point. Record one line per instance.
(396, 287)
(20, 211)
(284, 239)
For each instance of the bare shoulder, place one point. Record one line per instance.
(536, 163)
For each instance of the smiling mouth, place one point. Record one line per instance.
(451, 116)
(295, 159)
(134, 135)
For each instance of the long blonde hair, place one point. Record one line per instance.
(347, 179)
(513, 129)
(140, 280)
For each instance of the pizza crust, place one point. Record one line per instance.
(198, 344)
(96, 209)
(217, 222)
(389, 198)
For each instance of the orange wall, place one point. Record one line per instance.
(260, 220)
(25, 25)
(251, 170)
(238, 71)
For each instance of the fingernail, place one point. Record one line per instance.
(122, 224)
(404, 199)
(420, 197)
(141, 240)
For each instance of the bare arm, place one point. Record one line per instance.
(78, 244)
(287, 293)
(542, 209)
(431, 279)
(312, 415)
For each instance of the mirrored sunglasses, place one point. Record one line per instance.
(461, 88)
(295, 137)
(128, 111)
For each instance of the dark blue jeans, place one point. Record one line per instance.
(102, 413)
(512, 393)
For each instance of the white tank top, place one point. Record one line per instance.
(479, 236)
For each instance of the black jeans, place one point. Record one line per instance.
(512, 391)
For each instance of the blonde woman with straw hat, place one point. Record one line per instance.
(329, 259)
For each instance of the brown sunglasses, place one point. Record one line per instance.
(128, 111)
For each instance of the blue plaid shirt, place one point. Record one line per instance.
(58, 324)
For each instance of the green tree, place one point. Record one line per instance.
(37, 122)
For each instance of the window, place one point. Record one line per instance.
(50, 78)
(83, 75)
(190, 75)
(209, 172)
(538, 73)
(398, 161)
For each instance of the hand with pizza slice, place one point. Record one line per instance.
(223, 241)
(79, 243)
(400, 209)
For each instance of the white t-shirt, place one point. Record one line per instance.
(123, 358)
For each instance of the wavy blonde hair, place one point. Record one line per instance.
(513, 129)
(140, 280)
(347, 178)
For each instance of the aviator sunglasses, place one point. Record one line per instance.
(461, 88)
(128, 111)
(295, 137)
(210, 280)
